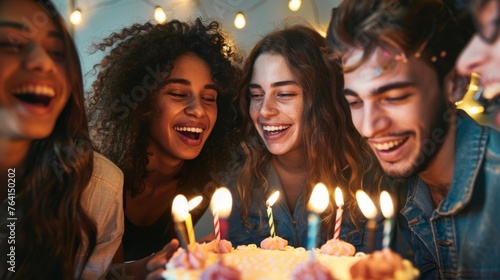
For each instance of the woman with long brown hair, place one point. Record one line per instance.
(296, 132)
(61, 210)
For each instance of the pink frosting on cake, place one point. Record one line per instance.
(220, 271)
(274, 243)
(221, 246)
(383, 264)
(193, 259)
(311, 270)
(337, 247)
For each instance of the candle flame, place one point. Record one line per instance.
(272, 199)
(180, 208)
(366, 205)
(194, 202)
(386, 205)
(319, 199)
(339, 198)
(222, 202)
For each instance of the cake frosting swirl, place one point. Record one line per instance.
(337, 247)
(311, 270)
(194, 258)
(383, 264)
(274, 243)
(220, 246)
(220, 271)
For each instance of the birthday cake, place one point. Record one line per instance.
(257, 263)
(251, 262)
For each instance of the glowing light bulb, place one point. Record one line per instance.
(240, 21)
(294, 5)
(76, 17)
(160, 15)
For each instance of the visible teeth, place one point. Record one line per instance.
(35, 89)
(275, 128)
(387, 145)
(189, 129)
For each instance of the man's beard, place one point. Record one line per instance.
(442, 123)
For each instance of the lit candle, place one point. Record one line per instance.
(221, 204)
(388, 212)
(189, 221)
(339, 200)
(370, 212)
(194, 202)
(270, 202)
(317, 204)
(180, 213)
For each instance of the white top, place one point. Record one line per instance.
(103, 201)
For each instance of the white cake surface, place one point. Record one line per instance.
(258, 264)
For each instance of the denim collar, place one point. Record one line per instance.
(471, 140)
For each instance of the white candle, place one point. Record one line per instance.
(370, 212)
(339, 200)
(317, 204)
(269, 203)
(388, 212)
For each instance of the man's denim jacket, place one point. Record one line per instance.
(459, 239)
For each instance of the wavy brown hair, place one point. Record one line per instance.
(140, 59)
(336, 153)
(434, 30)
(53, 227)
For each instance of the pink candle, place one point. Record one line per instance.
(339, 200)
(216, 224)
(221, 208)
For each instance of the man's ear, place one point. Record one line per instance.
(455, 86)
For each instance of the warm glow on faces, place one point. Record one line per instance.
(276, 104)
(396, 110)
(34, 85)
(187, 110)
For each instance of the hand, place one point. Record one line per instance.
(156, 265)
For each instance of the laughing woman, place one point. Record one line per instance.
(296, 131)
(61, 214)
(160, 110)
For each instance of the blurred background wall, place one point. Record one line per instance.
(101, 17)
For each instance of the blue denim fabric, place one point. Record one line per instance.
(290, 227)
(459, 239)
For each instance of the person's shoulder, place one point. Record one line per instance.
(106, 172)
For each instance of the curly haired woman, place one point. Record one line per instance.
(160, 111)
(62, 214)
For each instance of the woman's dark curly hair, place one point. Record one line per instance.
(126, 87)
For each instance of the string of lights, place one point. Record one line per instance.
(160, 16)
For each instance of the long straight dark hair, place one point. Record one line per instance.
(55, 237)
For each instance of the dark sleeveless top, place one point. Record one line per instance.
(140, 242)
